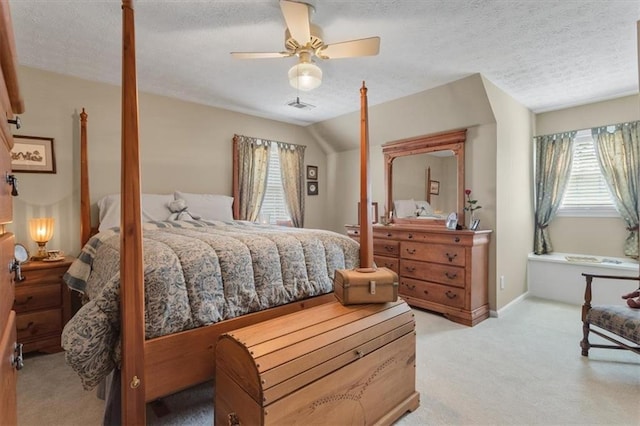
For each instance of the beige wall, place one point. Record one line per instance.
(513, 183)
(184, 146)
(593, 236)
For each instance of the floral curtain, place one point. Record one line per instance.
(554, 154)
(617, 150)
(291, 169)
(253, 166)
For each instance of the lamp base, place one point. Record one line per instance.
(42, 252)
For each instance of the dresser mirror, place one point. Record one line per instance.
(424, 178)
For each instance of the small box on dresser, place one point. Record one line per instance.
(42, 304)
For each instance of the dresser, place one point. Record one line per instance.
(42, 305)
(440, 270)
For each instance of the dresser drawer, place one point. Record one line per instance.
(387, 262)
(432, 292)
(440, 253)
(449, 275)
(386, 232)
(386, 247)
(38, 324)
(29, 298)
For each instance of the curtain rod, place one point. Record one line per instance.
(586, 128)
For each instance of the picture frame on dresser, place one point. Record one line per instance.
(33, 154)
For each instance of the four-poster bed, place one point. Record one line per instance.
(152, 368)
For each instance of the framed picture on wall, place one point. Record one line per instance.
(312, 172)
(32, 154)
(434, 188)
(312, 188)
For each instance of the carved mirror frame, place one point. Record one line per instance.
(446, 141)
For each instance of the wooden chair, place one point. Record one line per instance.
(619, 324)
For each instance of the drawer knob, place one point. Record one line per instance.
(456, 239)
(389, 234)
(410, 268)
(411, 251)
(450, 276)
(31, 324)
(389, 248)
(410, 287)
(450, 294)
(410, 236)
(451, 256)
(24, 302)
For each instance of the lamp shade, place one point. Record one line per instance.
(41, 229)
(305, 76)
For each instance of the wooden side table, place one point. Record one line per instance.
(42, 304)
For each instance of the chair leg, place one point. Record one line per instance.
(584, 343)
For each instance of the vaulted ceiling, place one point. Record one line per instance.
(547, 54)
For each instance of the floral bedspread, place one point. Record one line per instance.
(196, 273)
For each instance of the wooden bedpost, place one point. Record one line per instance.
(366, 227)
(85, 201)
(131, 253)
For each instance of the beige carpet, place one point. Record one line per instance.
(523, 368)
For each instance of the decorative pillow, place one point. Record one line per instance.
(405, 208)
(208, 206)
(154, 207)
(423, 208)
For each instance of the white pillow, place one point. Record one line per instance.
(155, 207)
(424, 204)
(405, 208)
(208, 206)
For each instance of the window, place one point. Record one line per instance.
(274, 205)
(587, 193)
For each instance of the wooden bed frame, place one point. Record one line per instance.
(158, 367)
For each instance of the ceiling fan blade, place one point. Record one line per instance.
(347, 49)
(296, 15)
(260, 55)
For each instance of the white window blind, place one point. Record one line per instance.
(587, 193)
(274, 205)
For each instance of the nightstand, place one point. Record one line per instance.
(42, 304)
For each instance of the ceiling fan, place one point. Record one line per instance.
(304, 40)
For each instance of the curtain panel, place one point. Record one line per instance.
(617, 150)
(291, 169)
(554, 155)
(253, 167)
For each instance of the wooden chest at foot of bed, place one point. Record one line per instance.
(332, 364)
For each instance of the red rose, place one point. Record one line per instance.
(467, 191)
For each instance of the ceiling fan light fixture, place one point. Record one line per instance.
(305, 76)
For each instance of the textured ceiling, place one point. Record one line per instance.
(547, 54)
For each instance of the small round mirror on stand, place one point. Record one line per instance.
(20, 253)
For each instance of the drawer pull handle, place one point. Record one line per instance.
(389, 234)
(411, 251)
(456, 239)
(451, 256)
(359, 353)
(450, 294)
(410, 268)
(426, 291)
(389, 248)
(410, 287)
(450, 276)
(31, 324)
(24, 302)
(410, 236)
(388, 265)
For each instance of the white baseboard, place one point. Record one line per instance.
(501, 311)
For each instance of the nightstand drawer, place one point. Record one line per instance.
(41, 275)
(30, 298)
(38, 324)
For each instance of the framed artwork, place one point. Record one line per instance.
(312, 172)
(474, 224)
(33, 154)
(312, 188)
(434, 187)
(374, 212)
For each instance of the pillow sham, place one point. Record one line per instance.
(208, 206)
(405, 208)
(155, 207)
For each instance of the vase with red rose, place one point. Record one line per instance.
(470, 206)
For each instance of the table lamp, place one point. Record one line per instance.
(41, 231)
